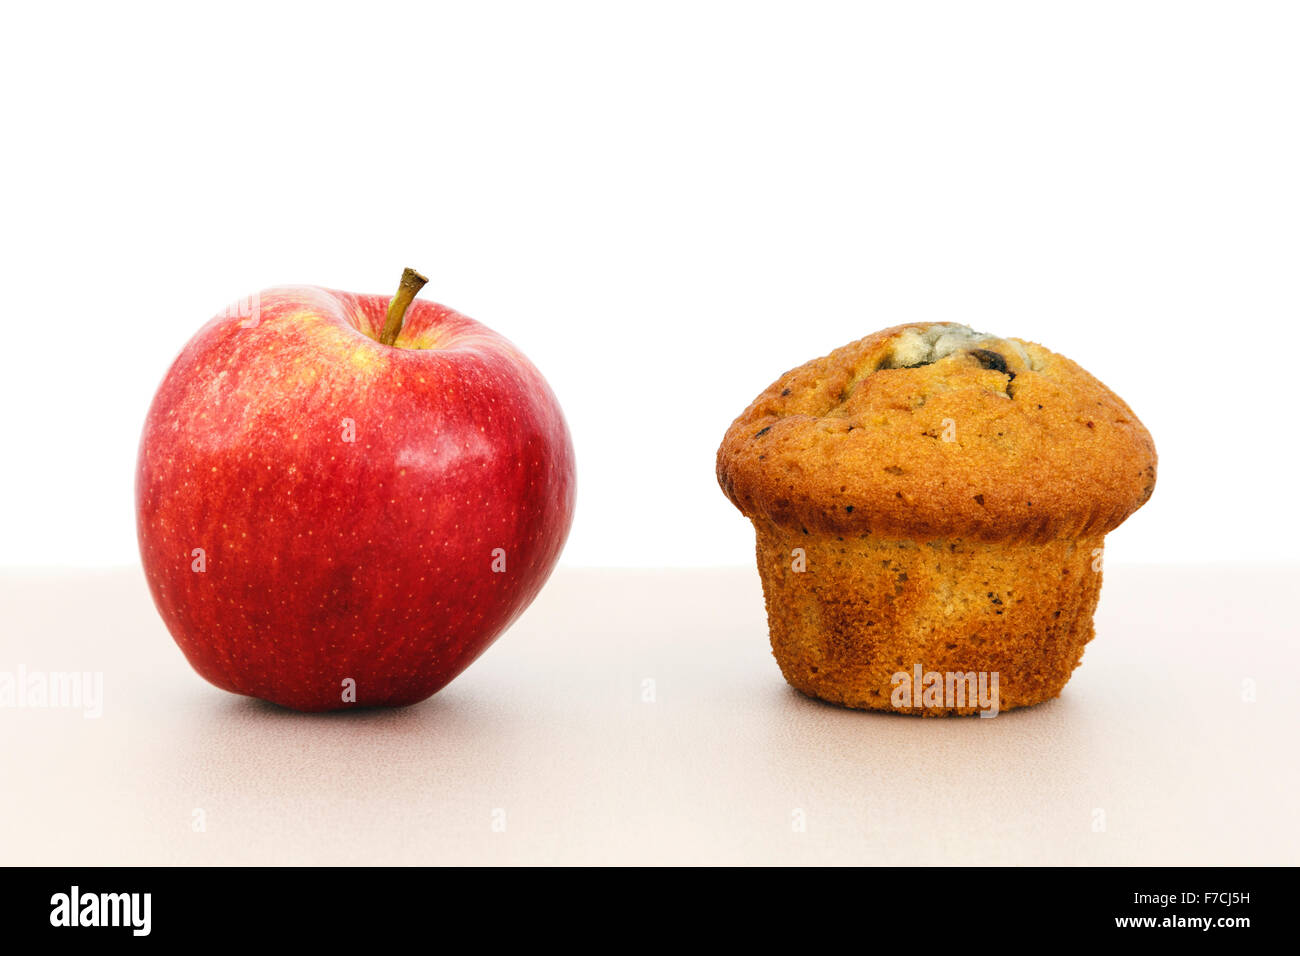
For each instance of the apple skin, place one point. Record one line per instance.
(326, 560)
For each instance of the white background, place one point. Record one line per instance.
(665, 205)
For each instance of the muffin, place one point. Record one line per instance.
(930, 505)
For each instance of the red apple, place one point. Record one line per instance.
(327, 521)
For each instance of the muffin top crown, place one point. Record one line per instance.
(928, 431)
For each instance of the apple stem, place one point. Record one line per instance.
(412, 282)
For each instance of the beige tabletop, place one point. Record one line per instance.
(638, 717)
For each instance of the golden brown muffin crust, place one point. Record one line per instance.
(927, 431)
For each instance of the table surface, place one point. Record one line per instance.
(547, 750)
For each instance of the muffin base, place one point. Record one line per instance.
(848, 615)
